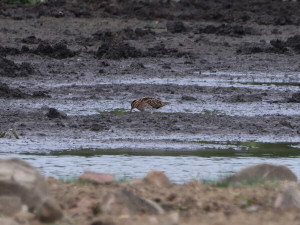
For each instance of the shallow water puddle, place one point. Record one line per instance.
(180, 166)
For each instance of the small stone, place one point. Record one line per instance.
(97, 127)
(20, 180)
(49, 211)
(103, 222)
(295, 97)
(9, 205)
(125, 203)
(7, 221)
(289, 198)
(176, 26)
(188, 98)
(54, 113)
(157, 178)
(99, 178)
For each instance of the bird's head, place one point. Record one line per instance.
(133, 105)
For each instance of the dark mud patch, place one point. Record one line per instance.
(276, 46)
(54, 113)
(176, 26)
(295, 97)
(160, 50)
(117, 50)
(10, 69)
(7, 92)
(261, 12)
(294, 43)
(41, 94)
(4, 51)
(227, 29)
(122, 50)
(123, 34)
(161, 123)
(58, 50)
(246, 98)
(31, 40)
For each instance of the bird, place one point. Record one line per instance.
(146, 103)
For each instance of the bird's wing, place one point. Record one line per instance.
(155, 103)
(145, 99)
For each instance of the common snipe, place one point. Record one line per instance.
(147, 103)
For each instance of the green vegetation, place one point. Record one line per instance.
(76, 180)
(241, 149)
(224, 183)
(181, 207)
(257, 149)
(123, 179)
(213, 149)
(3, 135)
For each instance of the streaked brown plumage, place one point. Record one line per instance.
(147, 102)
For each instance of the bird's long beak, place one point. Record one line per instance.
(131, 109)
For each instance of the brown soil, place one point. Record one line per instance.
(191, 203)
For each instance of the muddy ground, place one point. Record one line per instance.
(69, 71)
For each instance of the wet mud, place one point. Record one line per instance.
(69, 71)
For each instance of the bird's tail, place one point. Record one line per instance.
(166, 103)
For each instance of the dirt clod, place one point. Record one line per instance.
(176, 26)
(9, 69)
(59, 50)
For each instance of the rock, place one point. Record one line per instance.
(103, 222)
(31, 40)
(9, 68)
(295, 97)
(54, 113)
(58, 51)
(294, 43)
(124, 202)
(49, 211)
(245, 98)
(99, 178)
(157, 178)
(19, 179)
(7, 92)
(97, 127)
(10, 205)
(228, 29)
(289, 198)
(7, 221)
(263, 172)
(188, 98)
(117, 50)
(176, 26)
(262, 47)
